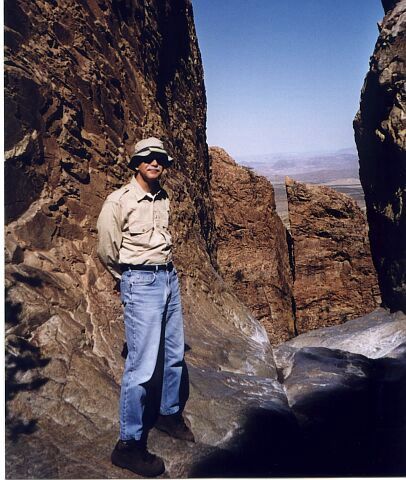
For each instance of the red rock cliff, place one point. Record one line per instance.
(335, 279)
(253, 252)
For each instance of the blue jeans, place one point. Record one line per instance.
(151, 302)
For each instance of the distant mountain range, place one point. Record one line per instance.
(338, 167)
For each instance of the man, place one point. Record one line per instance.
(136, 247)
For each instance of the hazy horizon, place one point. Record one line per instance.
(284, 77)
(347, 149)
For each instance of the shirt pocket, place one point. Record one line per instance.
(162, 218)
(141, 233)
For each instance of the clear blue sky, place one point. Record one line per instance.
(284, 75)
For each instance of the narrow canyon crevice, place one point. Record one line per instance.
(317, 273)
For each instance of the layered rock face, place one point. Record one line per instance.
(381, 141)
(84, 81)
(252, 252)
(335, 279)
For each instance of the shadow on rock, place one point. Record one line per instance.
(29, 280)
(390, 415)
(349, 420)
(22, 364)
(264, 449)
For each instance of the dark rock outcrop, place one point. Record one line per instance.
(335, 279)
(252, 252)
(82, 85)
(389, 4)
(381, 141)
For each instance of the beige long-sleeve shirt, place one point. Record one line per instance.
(133, 228)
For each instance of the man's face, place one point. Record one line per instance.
(151, 170)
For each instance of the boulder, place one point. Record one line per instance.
(375, 335)
(346, 387)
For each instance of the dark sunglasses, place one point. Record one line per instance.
(161, 159)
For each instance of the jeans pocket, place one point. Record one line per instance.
(140, 277)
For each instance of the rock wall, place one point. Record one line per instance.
(381, 141)
(335, 279)
(252, 252)
(84, 81)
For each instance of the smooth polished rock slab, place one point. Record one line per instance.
(374, 335)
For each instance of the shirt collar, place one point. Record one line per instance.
(140, 193)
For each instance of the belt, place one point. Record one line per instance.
(151, 268)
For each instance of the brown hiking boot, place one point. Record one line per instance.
(175, 426)
(133, 455)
